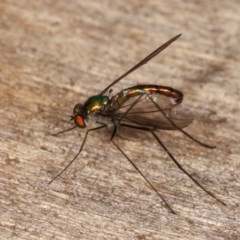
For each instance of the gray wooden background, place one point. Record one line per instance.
(54, 54)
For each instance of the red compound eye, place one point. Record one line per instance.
(80, 121)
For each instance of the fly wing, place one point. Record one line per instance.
(141, 111)
(142, 62)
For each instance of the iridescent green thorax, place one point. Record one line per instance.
(139, 90)
(95, 103)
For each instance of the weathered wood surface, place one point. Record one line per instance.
(54, 54)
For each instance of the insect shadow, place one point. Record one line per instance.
(143, 107)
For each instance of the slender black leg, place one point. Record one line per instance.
(174, 160)
(183, 170)
(124, 114)
(150, 184)
(114, 132)
(81, 148)
(178, 128)
(66, 130)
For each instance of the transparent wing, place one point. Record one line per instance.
(142, 111)
(142, 62)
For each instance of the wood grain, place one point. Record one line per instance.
(55, 54)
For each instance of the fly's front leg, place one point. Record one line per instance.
(80, 150)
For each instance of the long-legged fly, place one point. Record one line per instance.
(145, 107)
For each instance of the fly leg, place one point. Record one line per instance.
(63, 131)
(149, 183)
(176, 126)
(81, 148)
(183, 170)
(174, 159)
(116, 121)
